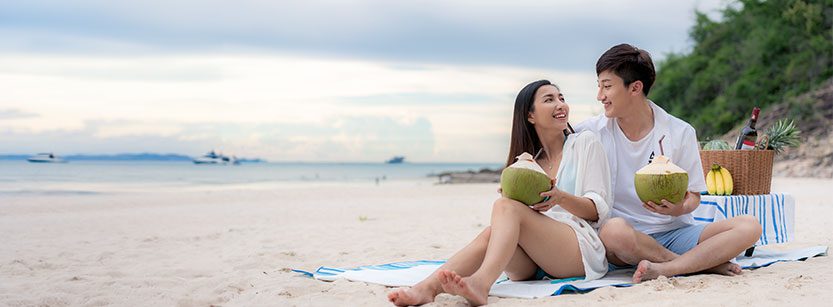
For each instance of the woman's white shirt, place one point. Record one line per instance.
(584, 172)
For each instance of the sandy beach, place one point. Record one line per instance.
(234, 245)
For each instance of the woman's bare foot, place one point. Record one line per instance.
(647, 270)
(467, 287)
(728, 269)
(411, 296)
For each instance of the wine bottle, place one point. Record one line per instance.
(749, 135)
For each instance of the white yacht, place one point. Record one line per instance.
(215, 158)
(396, 160)
(45, 158)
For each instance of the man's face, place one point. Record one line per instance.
(613, 94)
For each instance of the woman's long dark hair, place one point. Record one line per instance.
(524, 138)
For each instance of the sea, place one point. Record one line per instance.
(79, 177)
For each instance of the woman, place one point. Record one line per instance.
(556, 238)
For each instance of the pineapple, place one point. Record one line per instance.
(781, 135)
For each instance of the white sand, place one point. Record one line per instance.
(233, 245)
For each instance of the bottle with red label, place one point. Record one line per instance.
(749, 135)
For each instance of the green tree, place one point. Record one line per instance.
(759, 54)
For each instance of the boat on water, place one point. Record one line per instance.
(215, 158)
(45, 158)
(396, 160)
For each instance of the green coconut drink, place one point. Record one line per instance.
(525, 180)
(660, 180)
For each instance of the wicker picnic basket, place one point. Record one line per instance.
(751, 169)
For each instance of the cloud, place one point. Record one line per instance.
(419, 98)
(305, 80)
(564, 35)
(271, 106)
(66, 90)
(348, 138)
(15, 114)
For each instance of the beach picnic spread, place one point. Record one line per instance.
(775, 213)
(403, 274)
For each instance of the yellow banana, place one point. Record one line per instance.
(728, 183)
(718, 180)
(712, 189)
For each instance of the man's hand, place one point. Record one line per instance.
(669, 208)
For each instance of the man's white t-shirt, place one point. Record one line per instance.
(626, 157)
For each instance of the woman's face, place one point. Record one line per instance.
(550, 110)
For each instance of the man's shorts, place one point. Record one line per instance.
(679, 241)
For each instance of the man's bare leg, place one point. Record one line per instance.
(627, 246)
(719, 243)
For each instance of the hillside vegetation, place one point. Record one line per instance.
(761, 53)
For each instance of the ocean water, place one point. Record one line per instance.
(21, 177)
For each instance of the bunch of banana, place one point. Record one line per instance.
(719, 181)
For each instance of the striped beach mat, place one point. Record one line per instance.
(401, 274)
(775, 213)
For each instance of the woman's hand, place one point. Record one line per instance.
(551, 199)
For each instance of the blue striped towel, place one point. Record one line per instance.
(775, 212)
(409, 273)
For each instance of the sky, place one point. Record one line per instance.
(316, 81)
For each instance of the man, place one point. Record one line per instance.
(660, 239)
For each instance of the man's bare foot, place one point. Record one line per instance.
(411, 296)
(728, 269)
(647, 270)
(467, 287)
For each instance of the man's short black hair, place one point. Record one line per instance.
(629, 63)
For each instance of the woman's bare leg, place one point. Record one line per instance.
(549, 244)
(465, 261)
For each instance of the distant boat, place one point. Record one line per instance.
(45, 158)
(396, 160)
(215, 158)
